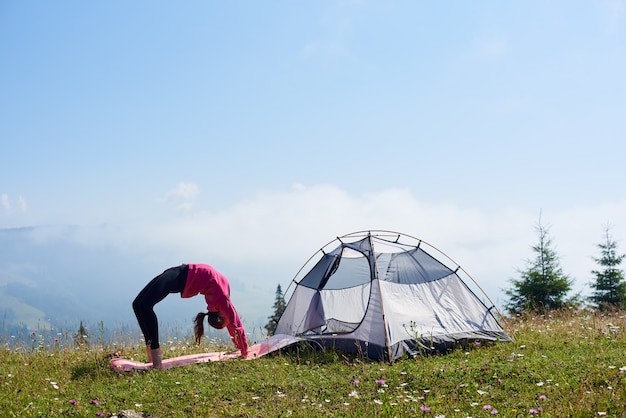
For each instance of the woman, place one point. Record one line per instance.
(189, 280)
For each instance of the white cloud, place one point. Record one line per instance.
(21, 204)
(265, 239)
(182, 196)
(284, 228)
(10, 207)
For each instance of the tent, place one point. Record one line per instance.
(384, 294)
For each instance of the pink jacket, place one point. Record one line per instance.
(204, 279)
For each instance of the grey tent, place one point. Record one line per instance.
(384, 294)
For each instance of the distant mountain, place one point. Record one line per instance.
(51, 277)
(47, 277)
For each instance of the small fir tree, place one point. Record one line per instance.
(278, 308)
(609, 287)
(81, 338)
(542, 286)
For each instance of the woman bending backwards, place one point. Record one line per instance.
(189, 280)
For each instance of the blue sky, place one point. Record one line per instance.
(249, 134)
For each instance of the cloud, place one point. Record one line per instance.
(182, 196)
(264, 240)
(9, 206)
(21, 204)
(269, 236)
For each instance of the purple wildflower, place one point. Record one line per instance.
(94, 402)
(380, 382)
(424, 408)
(487, 407)
(73, 401)
(356, 382)
(543, 397)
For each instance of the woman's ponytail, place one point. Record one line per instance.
(198, 326)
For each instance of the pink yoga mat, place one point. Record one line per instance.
(270, 345)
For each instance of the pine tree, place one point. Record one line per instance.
(278, 308)
(81, 338)
(542, 286)
(609, 284)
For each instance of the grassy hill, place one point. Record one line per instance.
(567, 364)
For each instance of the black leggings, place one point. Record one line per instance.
(171, 280)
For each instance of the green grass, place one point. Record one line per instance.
(567, 364)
